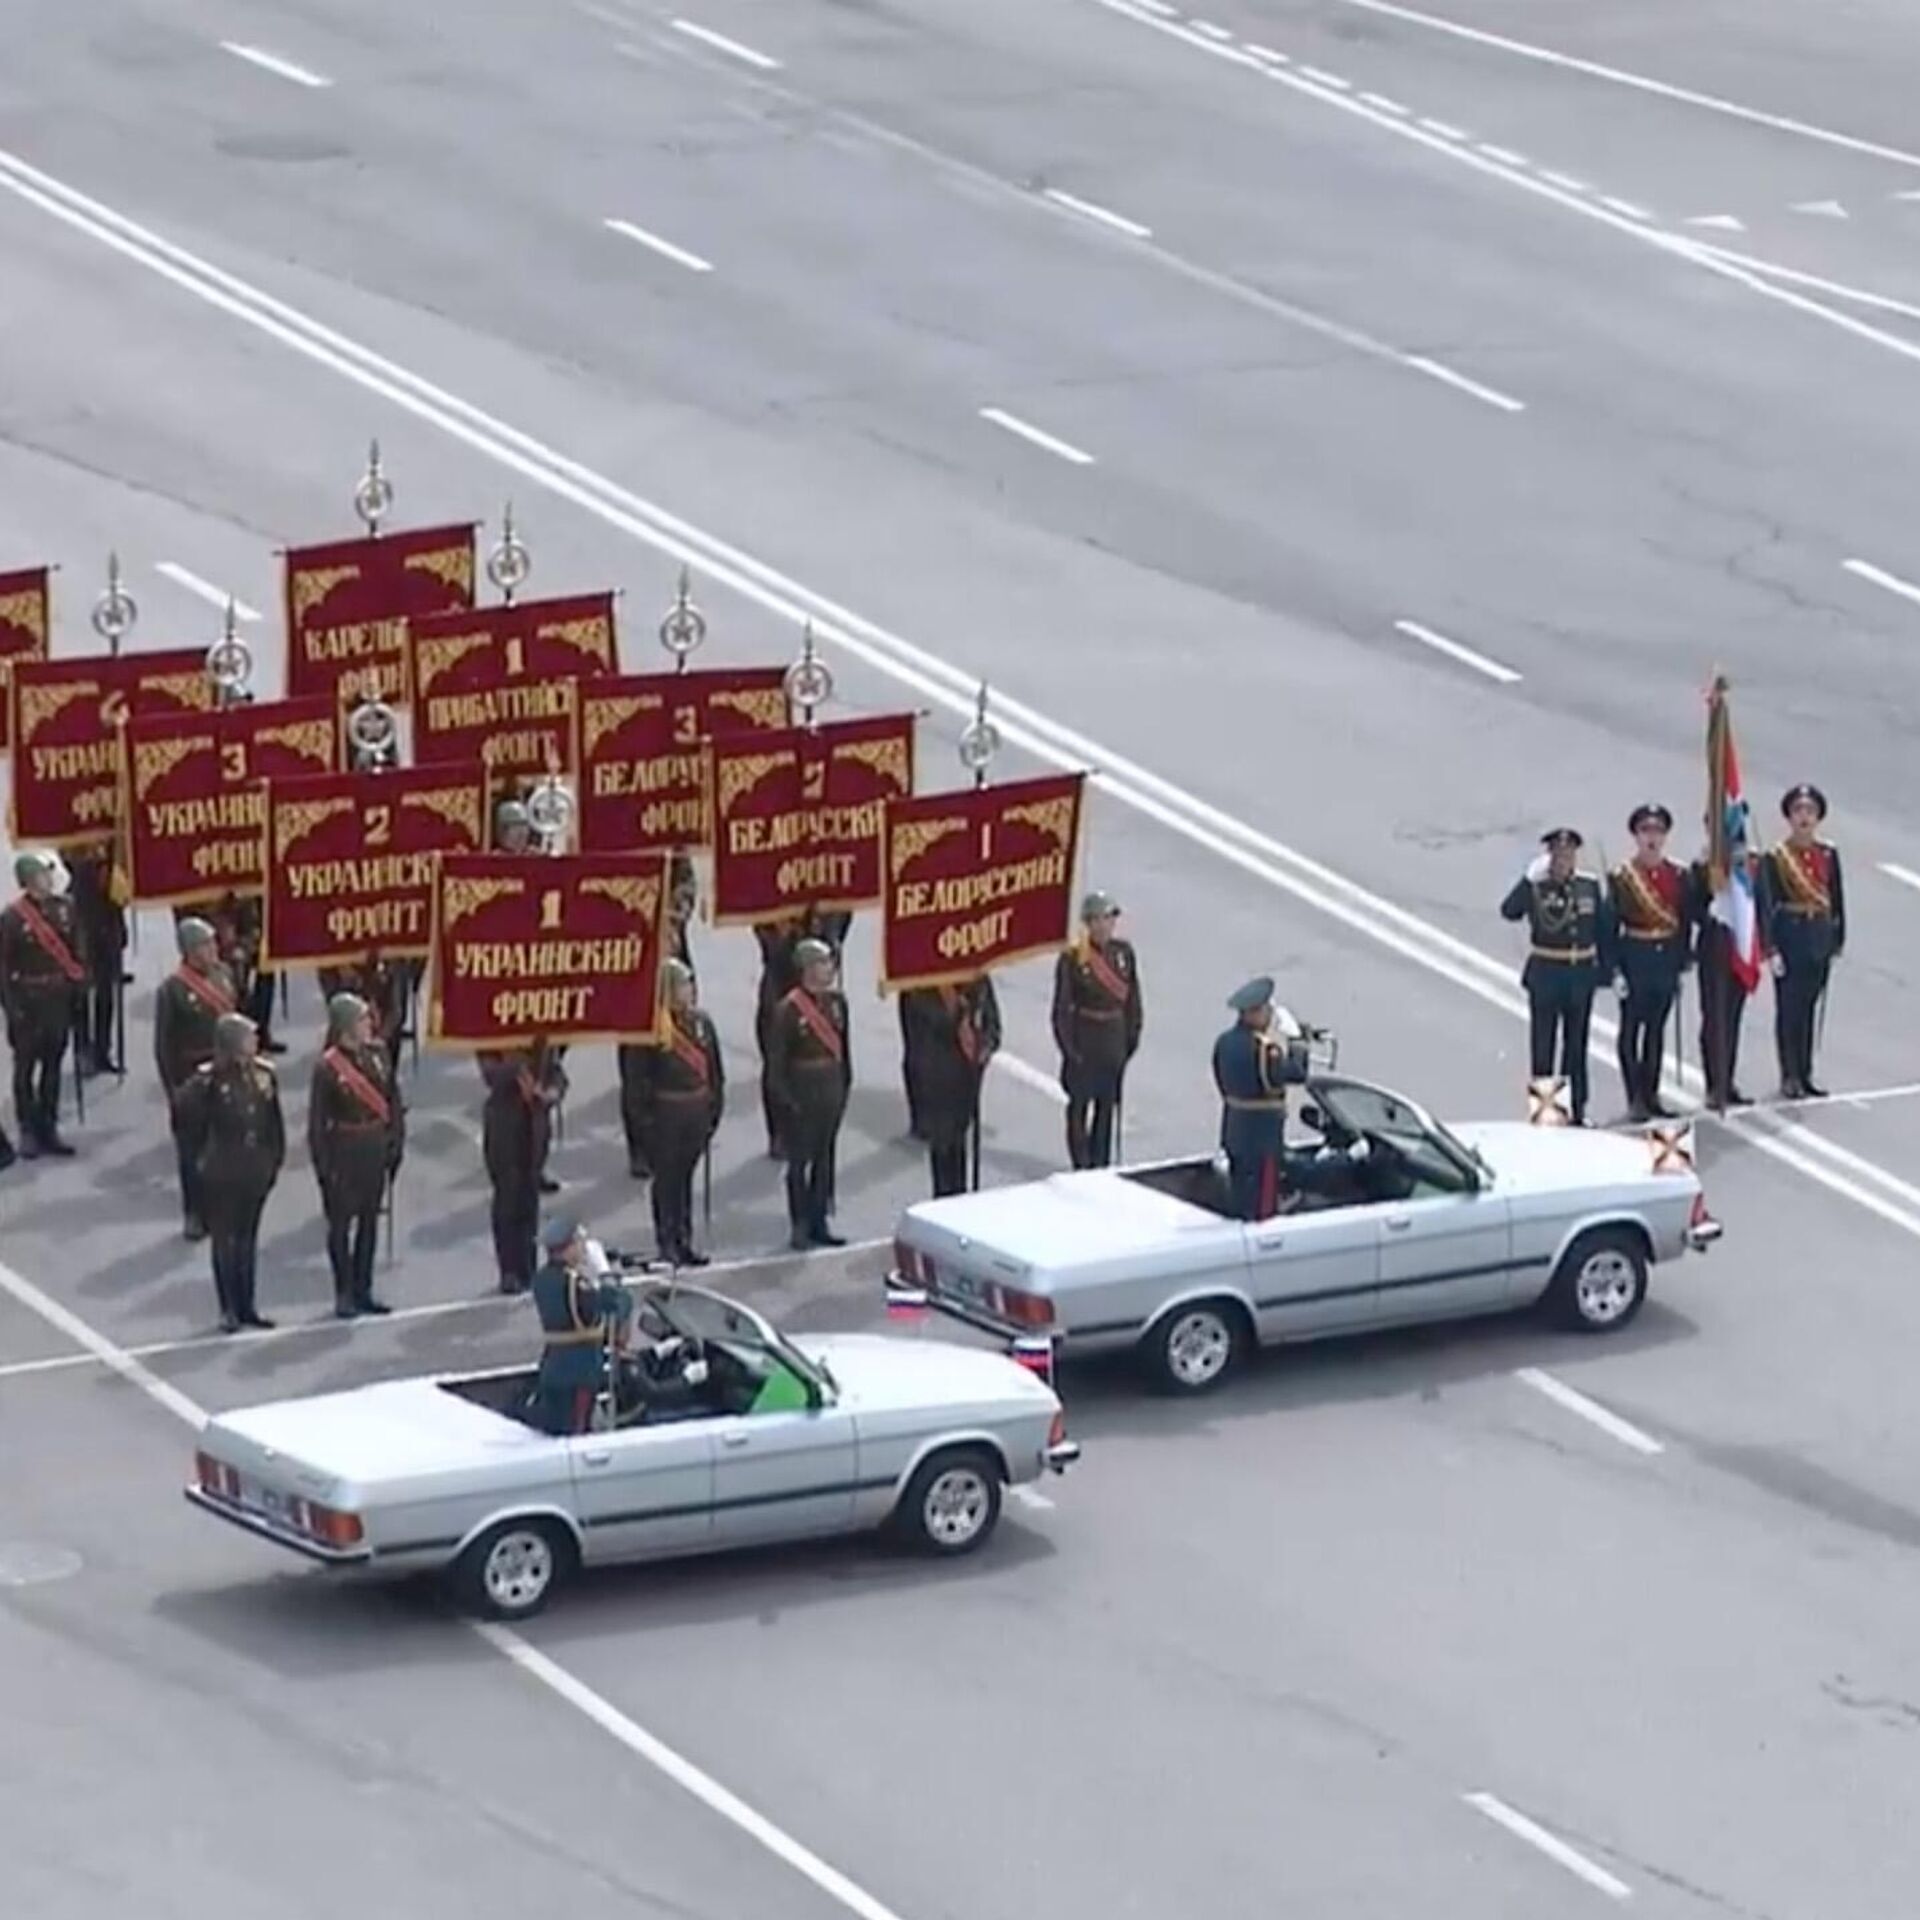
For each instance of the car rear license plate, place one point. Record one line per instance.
(263, 1500)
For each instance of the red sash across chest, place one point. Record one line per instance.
(204, 988)
(50, 942)
(965, 1033)
(1105, 972)
(822, 1028)
(690, 1052)
(357, 1084)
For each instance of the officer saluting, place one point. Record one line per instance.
(1572, 951)
(1648, 898)
(576, 1314)
(1253, 1071)
(41, 980)
(356, 1133)
(1096, 1025)
(810, 1074)
(232, 1126)
(191, 1000)
(680, 1091)
(951, 1033)
(1803, 917)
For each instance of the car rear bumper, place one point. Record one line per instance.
(263, 1528)
(1702, 1234)
(906, 1299)
(1061, 1455)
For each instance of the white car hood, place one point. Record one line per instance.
(1531, 1159)
(877, 1370)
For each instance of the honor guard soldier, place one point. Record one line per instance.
(1096, 1025)
(578, 1315)
(383, 986)
(191, 999)
(1723, 999)
(683, 896)
(237, 923)
(1252, 1070)
(1571, 929)
(515, 1127)
(952, 1034)
(512, 828)
(679, 1093)
(42, 978)
(780, 941)
(356, 1134)
(101, 921)
(1803, 919)
(810, 1074)
(232, 1127)
(1648, 896)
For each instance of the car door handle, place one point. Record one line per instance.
(1270, 1242)
(734, 1439)
(599, 1459)
(1399, 1223)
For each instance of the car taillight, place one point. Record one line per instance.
(906, 1262)
(336, 1529)
(216, 1477)
(1700, 1215)
(1058, 1431)
(1025, 1309)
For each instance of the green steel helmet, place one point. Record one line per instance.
(1099, 906)
(192, 934)
(511, 813)
(31, 866)
(810, 953)
(230, 1035)
(342, 1011)
(675, 973)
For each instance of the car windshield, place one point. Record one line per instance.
(696, 1314)
(1357, 1108)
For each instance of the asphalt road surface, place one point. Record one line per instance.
(1357, 432)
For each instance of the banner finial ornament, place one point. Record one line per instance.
(373, 497)
(115, 612)
(685, 626)
(509, 565)
(372, 729)
(809, 680)
(980, 742)
(550, 810)
(230, 661)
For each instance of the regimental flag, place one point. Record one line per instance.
(1729, 868)
(348, 603)
(978, 879)
(26, 622)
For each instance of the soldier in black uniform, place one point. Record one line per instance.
(680, 1094)
(952, 1033)
(232, 1126)
(779, 971)
(1572, 952)
(1096, 1025)
(190, 1000)
(521, 1094)
(42, 977)
(101, 921)
(1648, 899)
(1803, 921)
(356, 1135)
(810, 1073)
(1723, 999)
(383, 986)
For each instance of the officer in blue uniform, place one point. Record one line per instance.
(1253, 1071)
(576, 1311)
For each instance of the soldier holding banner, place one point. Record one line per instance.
(356, 1135)
(383, 987)
(809, 1075)
(952, 1034)
(1096, 1025)
(780, 943)
(41, 979)
(191, 1000)
(515, 1129)
(680, 1092)
(101, 920)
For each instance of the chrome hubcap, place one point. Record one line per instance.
(519, 1569)
(956, 1506)
(1605, 1287)
(1198, 1348)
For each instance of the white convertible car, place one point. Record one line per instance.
(1392, 1219)
(738, 1436)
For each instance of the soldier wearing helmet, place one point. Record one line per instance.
(952, 1033)
(356, 1134)
(232, 1127)
(512, 828)
(192, 998)
(1097, 1017)
(672, 1098)
(809, 1074)
(780, 942)
(42, 975)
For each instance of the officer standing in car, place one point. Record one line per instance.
(1572, 951)
(1252, 1071)
(577, 1313)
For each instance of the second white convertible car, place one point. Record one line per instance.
(1393, 1219)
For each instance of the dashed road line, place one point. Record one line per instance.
(1105, 215)
(1726, 222)
(1491, 395)
(272, 63)
(1445, 129)
(1825, 209)
(1454, 650)
(1905, 875)
(1576, 1402)
(1554, 1848)
(721, 44)
(203, 589)
(1383, 104)
(1566, 182)
(1626, 208)
(1321, 78)
(1880, 577)
(1212, 30)
(1268, 53)
(1047, 1085)
(1505, 155)
(692, 261)
(1012, 423)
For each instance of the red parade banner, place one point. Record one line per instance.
(348, 603)
(564, 948)
(501, 684)
(798, 816)
(643, 747)
(349, 860)
(193, 807)
(68, 717)
(26, 622)
(978, 879)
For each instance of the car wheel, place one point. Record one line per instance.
(511, 1571)
(1601, 1282)
(1197, 1346)
(952, 1503)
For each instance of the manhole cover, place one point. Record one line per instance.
(22, 1564)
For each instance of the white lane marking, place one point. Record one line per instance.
(1565, 180)
(752, 56)
(1321, 78)
(1625, 207)
(1910, 193)
(272, 63)
(1045, 1084)
(1262, 53)
(1381, 101)
(1687, 96)
(1491, 395)
(1104, 215)
(1905, 875)
(205, 589)
(666, 247)
(1466, 655)
(1880, 577)
(1014, 424)
(1160, 7)
(1725, 221)
(1445, 129)
(1575, 1402)
(1505, 155)
(1485, 977)
(682, 1772)
(1033, 1498)
(1212, 31)
(1555, 1849)
(1826, 209)
(1860, 296)
(1869, 1096)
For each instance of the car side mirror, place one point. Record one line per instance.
(1311, 1116)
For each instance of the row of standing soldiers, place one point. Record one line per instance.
(1649, 923)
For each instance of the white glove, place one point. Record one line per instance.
(694, 1373)
(1537, 867)
(596, 1261)
(1778, 966)
(1620, 985)
(1360, 1152)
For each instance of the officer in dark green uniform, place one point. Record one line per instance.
(780, 944)
(810, 1074)
(1803, 921)
(1572, 951)
(952, 1033)
(1252, 1071)
(576, 1313)
(231, 1123)
(42, 977)
(191, 999)
(679, 1094)
(102, 923)
(356, 1135)
(522, 1091)
(1097, 1019)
